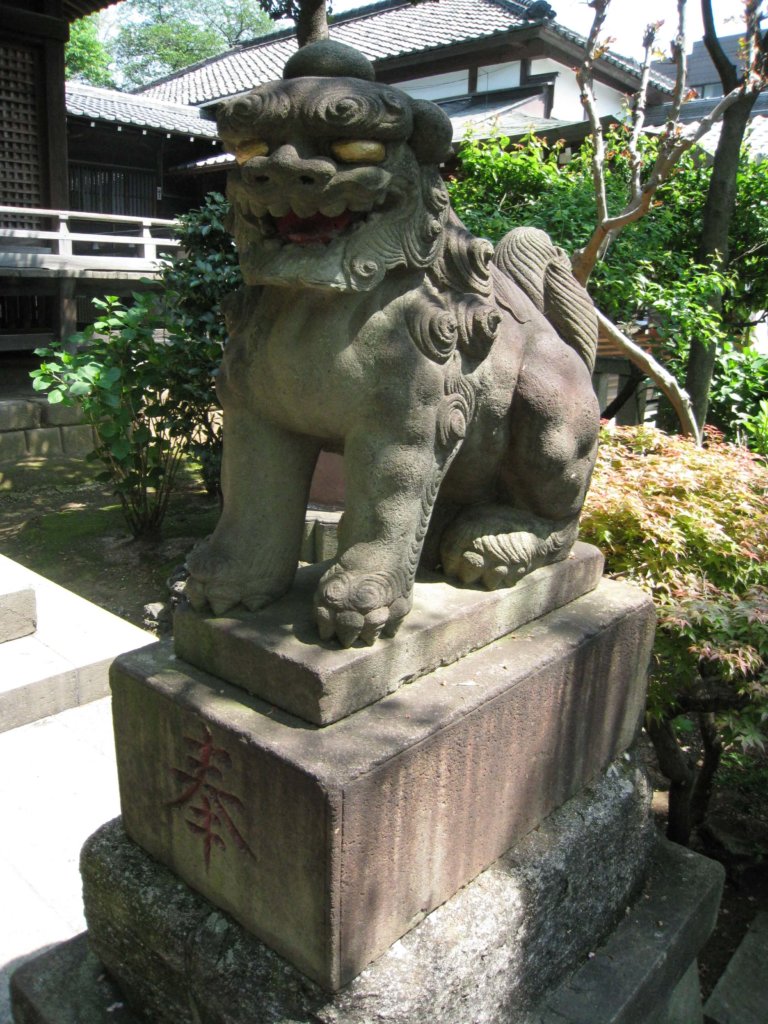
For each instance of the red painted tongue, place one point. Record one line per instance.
(317, 228)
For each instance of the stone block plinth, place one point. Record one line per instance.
(331, 843)
(276, 654)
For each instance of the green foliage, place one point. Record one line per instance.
(144, 374)
(649, 273)
(163, 36)
(86, 57)
(690, 526)
(194, 283)
(126, 377)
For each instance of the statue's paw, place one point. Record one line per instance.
(353, 605)
(480, 564)
(475, 553)
(218, 583)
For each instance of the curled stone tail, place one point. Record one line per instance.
(543, 271)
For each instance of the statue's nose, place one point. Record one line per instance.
(285, 167)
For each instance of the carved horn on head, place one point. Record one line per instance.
(432, 132)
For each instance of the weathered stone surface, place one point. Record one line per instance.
(59, 415)
(452, 968)
(18, 612)
(67, 985)
(273, 653)
(18, 414)
(77, 439)
(632, 976)
(43, 441)
(13, 445)
(335, 841)
(741, 994)
(495, 946)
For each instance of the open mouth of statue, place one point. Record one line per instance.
(318, 229)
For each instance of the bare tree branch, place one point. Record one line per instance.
(663, 379)
(585, 78)
(727, 71)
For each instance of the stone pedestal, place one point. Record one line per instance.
(588, 920)
(449, 852)
(329, 844)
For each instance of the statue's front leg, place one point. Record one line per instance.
(252, 556)
(391, 485)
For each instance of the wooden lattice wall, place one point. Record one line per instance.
(21, 175)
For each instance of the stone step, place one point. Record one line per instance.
(741, 994)
(65, 662)
(18, 613)
(18, 607)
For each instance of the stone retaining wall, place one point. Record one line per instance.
(32, 427)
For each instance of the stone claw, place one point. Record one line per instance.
(357, 606)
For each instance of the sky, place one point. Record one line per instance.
(627, 20)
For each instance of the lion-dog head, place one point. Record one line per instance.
(337, 177)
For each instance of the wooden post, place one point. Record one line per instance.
(67, 311)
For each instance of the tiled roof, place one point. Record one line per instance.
(485, 117)
(74, 9)
(143, 112)
(382, 31)
(755, 138)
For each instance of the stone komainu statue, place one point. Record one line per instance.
(454, 378)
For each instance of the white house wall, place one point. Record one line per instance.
(498, 76)
(437, 87)
(567, 105)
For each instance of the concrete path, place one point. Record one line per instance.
(58, 784)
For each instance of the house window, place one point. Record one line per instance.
(123, 190)
(710, 90)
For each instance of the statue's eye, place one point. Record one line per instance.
(359, 151)
(249, 148)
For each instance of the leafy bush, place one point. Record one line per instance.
(650, 271)
(132, 384)
(144, 374)
(194, 283)
(690, 526)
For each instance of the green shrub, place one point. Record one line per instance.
(649, 273)
(194, 282)
(133, 383)
(690, 526)
(144, 373)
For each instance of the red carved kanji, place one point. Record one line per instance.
(208, 803)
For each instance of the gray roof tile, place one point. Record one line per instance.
(144, 112)
(385, 30)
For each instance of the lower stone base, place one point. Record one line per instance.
(496, 952)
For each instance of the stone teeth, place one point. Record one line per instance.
(304, 210)
(279, 207)
(333, 209)
(360, 205)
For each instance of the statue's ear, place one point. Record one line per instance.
(432, 132)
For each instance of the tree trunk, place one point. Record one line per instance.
(681, 774)
(311, 22)
(716, 226)
(713, 751)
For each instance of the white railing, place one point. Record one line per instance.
(45, 251)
